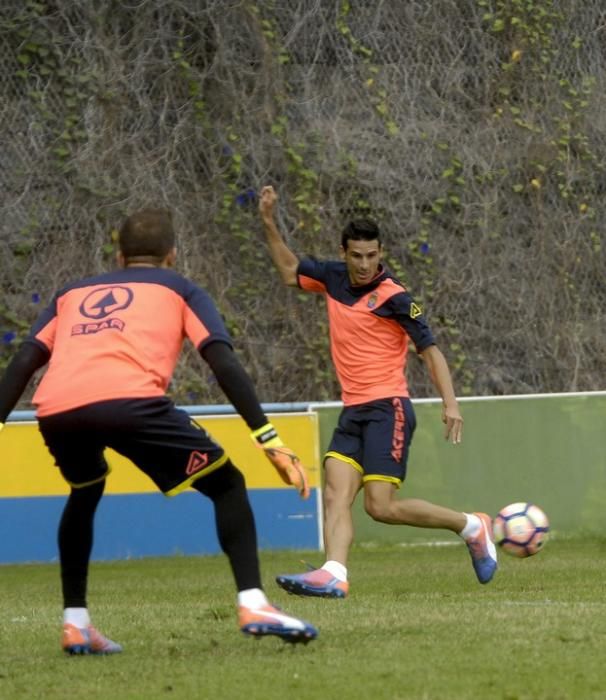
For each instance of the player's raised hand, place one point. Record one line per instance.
(267, 200)
(284, 460)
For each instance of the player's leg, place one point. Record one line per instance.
(235, 523)
(382, 505)
(341, 485)
(177, 453)
(79, 456)
(75, 540)
(387, 438)
(236, 532)
(342, 482)
(475, 528)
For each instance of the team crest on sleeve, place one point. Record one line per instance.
(415, 311)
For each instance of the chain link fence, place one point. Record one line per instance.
(472, 130)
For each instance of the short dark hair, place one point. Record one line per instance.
(147, 233)
(360, 230)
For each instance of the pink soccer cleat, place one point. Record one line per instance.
(482, 550)
(318, 582)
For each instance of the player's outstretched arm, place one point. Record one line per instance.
(26, 361)
(440, 376)
(237, 385)
(284, 259)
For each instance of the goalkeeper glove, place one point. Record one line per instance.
(286, 462)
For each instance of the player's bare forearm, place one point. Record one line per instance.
(440, 376)
(283, 258)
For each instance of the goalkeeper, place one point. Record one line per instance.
(111, 343)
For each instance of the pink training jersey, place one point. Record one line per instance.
(369, 329)
(119, 335)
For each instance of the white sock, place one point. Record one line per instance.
(336, 569)
(252, 598)
(472, 526)
(78, 617)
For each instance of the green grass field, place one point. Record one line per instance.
(416, 626)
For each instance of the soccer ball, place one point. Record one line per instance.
(521, 529)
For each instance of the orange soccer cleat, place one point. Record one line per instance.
(267, 620)
(87, 640)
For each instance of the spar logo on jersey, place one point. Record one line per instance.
(96, 326)
(102, 302)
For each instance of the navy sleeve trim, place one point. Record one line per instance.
(403, 309)
(30, 357)
(235, 382)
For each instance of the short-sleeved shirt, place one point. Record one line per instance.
(370, 326)
(118, 335)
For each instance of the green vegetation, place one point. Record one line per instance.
(472, 131)
(417, 626)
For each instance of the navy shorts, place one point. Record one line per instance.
(160, 439)
(375, 438)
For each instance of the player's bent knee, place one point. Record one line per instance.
(88, 493)
(226, 478)
(378, 510)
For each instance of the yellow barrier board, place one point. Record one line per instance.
(27, 468)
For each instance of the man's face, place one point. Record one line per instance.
(362, 259)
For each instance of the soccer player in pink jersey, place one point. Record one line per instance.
(371, 320)
(111, 343)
